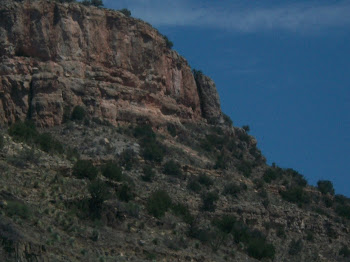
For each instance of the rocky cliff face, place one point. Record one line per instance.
(56, 56)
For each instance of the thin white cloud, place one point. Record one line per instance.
(301, 17)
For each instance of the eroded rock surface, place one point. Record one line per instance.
(56, 56)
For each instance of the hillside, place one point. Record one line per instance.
(114, 149)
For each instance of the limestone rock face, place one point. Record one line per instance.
(55, 56)
(209, 97)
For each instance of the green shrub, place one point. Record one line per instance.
(78, 113)
(232, 189)
(148, 174)
(168, 43)
(297, 178)
(158, 203)
(153, 151)
(15, 208)
(99, 193)
(144, 132)
(226, 223)
(194, 186)
(258, 248)
(112, 171)
(227, 119)
(171, 129)
(97, 3)
(325, 187)
(126, 12)
(128, 159)
(209, 201)
(246, 128)
(2, 141)
(271, 174)
(182, 211)
(205, 180)
(245, 167)
(124, 193)
(23, 131)
(172, 168)
(49, 144)
(343, 211)
(221, 162)
(296, 194)
(344, 251)
(85, 169)
(295, 247)
(256, 243)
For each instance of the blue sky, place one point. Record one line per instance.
(282, 68)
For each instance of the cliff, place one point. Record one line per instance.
(56, 56)
(153, 170)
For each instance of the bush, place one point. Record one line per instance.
(99, 193)
(296, 194)
(209, 201)
(168, 43)
(256, 243)
(295, 247)
(226, 223)
(78, 113)
(23, 131)
(97, 3)
(245, 167)
(15, 208)
(172, 168)
(158, 203)
(205, 180)
(153, 151)
(144, 132)
(148, 174)
(112, 171)
(228, 120)
(344, 251)
(246, 128)
(271, 174)
(221, 161)
(343, 211)
(232, 189)
(126, 12)
(85, 169)
(194, 185)
(325, 187)
(49, 144)
(182, 211)
(258, 248)
(128, 159)
(124, 193)
(297, 178)
(2, 141)
(171, 129)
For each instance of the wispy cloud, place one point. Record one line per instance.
(300, 17)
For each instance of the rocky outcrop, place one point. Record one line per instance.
(55, 56)
(209, 99)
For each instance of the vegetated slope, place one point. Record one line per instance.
(164, 185)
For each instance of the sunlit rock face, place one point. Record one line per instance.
(56, 56)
